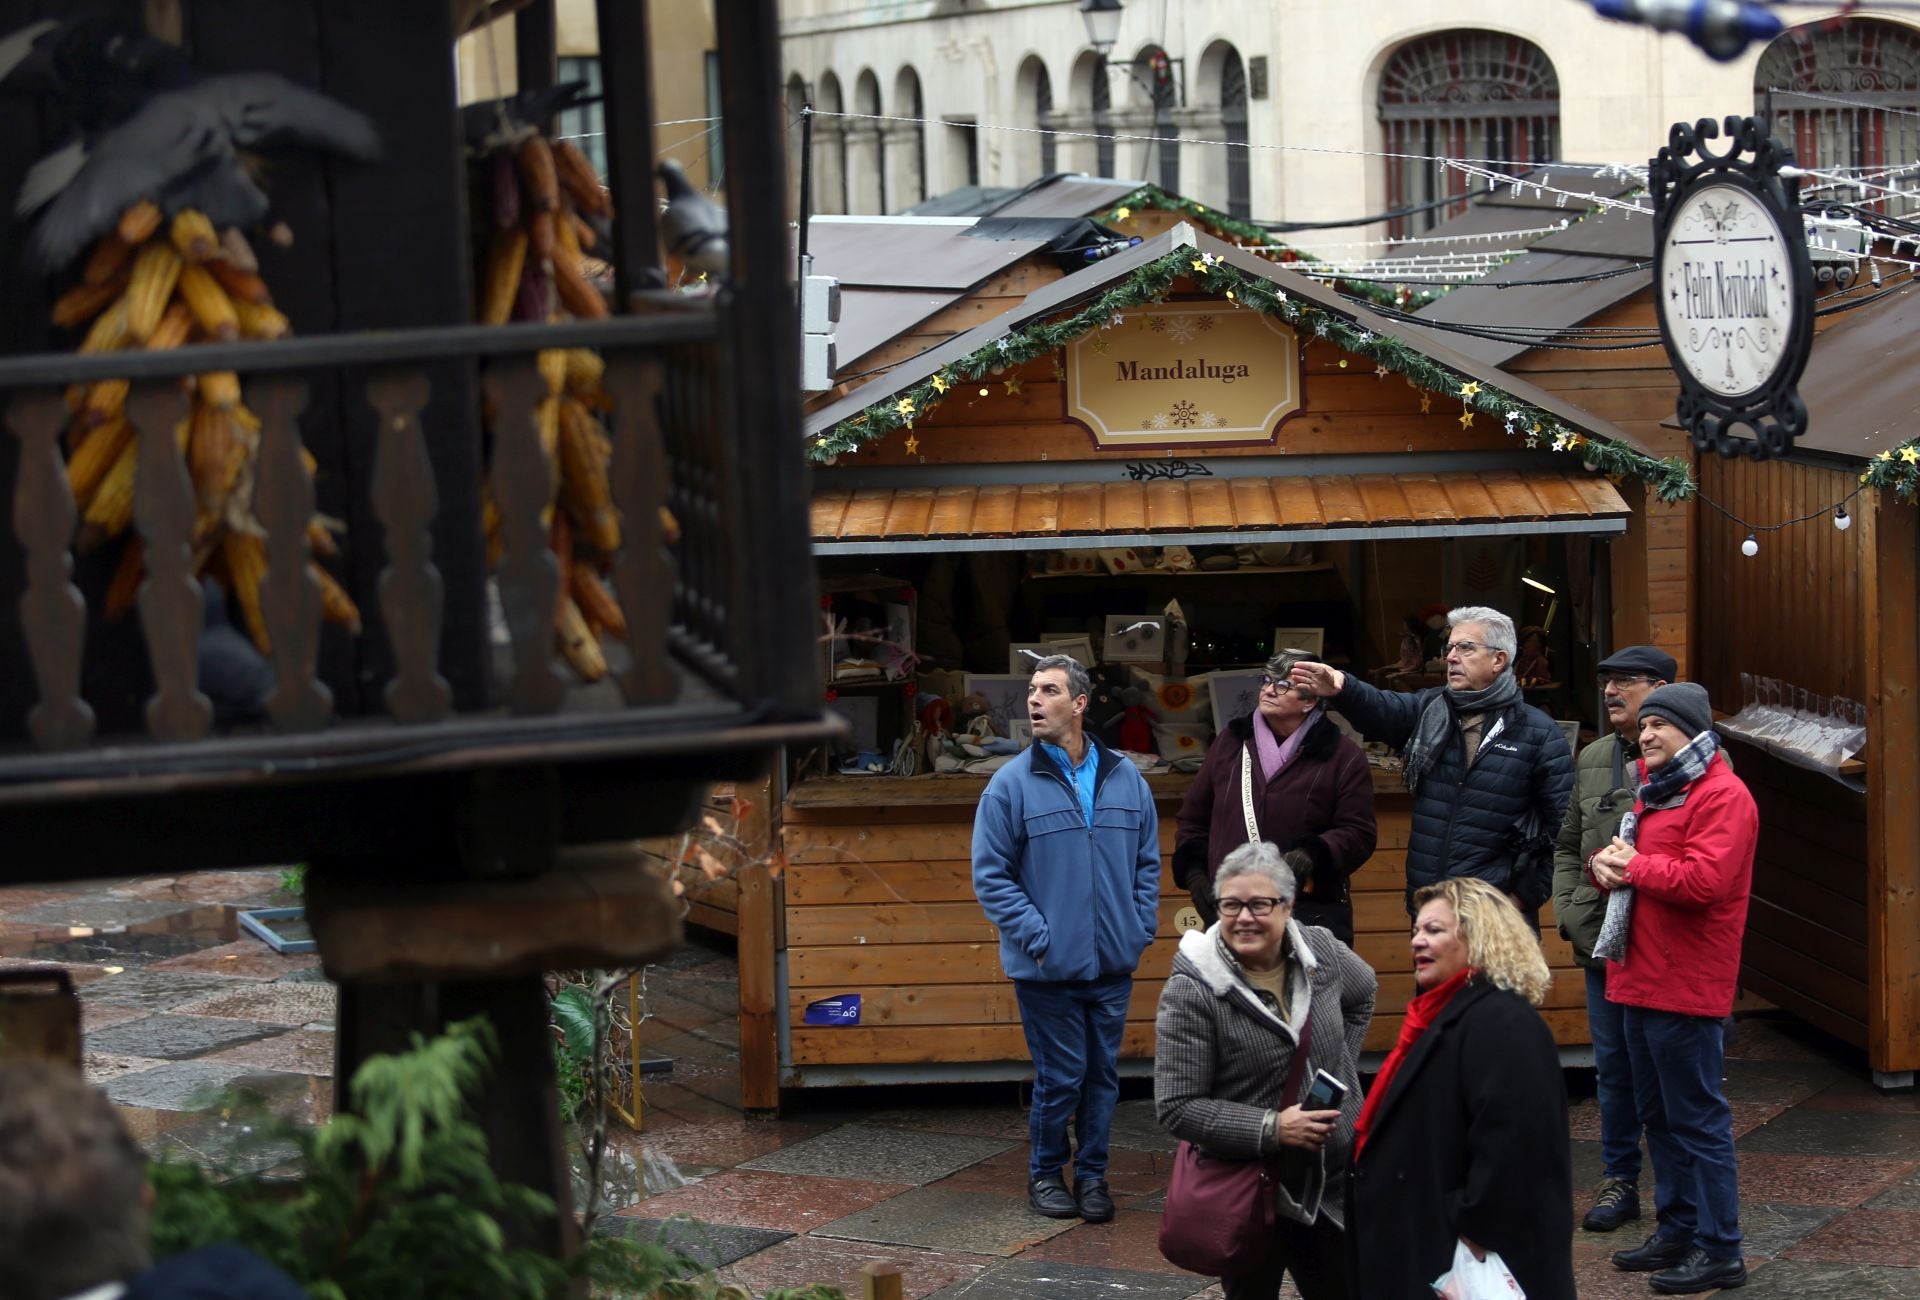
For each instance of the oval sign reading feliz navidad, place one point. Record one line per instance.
(1733, 286)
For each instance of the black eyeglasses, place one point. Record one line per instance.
(1621, 679)
(1269, 682)
(1466, 647)
(1257, 906)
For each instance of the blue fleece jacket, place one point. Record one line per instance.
(1070, 903)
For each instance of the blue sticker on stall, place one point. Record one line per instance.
(843, 1010)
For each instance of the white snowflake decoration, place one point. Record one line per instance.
(1210, 420)
(1159, 420)
(1181, 329)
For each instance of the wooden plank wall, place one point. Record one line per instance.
(1892, 546)
(1806, 943)
(879, 902)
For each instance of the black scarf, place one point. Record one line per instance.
(1438, 719)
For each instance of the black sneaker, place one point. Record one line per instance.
(1096, 1202)
(1048, 1195)
(1656, 1252)
(1700, 1272)
(1618, 1203)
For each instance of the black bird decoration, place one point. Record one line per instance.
(693, 226)
(152, 127)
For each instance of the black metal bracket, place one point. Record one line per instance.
(1752, 163)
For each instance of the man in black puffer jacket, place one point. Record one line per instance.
(1490, 774)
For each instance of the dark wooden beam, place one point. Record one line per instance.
(1890, 554)
(626, 79)
(775, 601)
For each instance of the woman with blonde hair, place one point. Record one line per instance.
(1463, 1138)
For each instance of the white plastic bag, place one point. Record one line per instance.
(1477, 1279)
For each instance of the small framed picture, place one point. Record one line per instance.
(1135, 638)
(1235, 695)
(1570, 728)
(1006, 696)
(1310, 639)
(1078, 648)
(1021, 729)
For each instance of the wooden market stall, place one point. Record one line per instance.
(1394, 472)
(1833, 934)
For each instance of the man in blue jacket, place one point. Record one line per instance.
(1066, 864)
(1489, 773)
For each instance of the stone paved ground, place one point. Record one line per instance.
(175, 1001)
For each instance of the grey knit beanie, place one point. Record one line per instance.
(1684, 704)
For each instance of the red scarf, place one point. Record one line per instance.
(1421, 1012)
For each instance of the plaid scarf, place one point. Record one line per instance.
(1441, 717)
(1662, 790)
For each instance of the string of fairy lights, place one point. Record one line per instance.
(1434, 262)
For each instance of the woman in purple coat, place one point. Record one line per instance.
(1308, 789)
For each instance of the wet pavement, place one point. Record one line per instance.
(177, 1003)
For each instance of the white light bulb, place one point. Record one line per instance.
(1841, 519)
(1751, 546)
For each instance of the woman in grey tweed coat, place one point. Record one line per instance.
(1230, 1020)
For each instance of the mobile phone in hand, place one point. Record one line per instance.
(1324, 1093)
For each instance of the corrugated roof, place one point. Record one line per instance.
(1199, 510)
(1547, 306)
(1612, 232)
(1859, 384)
(871, 317)
(1084, 284)
(909, 252)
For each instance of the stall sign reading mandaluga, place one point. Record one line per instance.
(1185, 375)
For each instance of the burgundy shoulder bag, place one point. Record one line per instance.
(1220, 1215)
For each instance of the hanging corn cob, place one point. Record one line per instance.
(153, 284)
(542, 198)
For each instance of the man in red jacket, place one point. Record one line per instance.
(1678, 877)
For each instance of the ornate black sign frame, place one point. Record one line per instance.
(1773, 411)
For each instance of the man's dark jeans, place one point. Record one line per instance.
(1677, 1064)
(1073, 1033)
(1613, 1082)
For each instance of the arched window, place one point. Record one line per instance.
(796, 132)
(1089, 117)
(829, 148)
(1463, 94)
(905, 168)
(866, 158)
(1154, 88)
(1233, 123)
(1846, 98)
(1035, 154)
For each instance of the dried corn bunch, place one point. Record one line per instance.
(543, 198)
(154, 284)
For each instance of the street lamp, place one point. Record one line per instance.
(1102, 18)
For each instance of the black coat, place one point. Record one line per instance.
(1466, 820)
(1471, 1141)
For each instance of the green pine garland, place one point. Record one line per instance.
(1152, 196)
(1897, 468)
(1670, 479)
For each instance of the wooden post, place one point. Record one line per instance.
(1890, 558)
(759, 990)
(880, 1281)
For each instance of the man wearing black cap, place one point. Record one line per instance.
(1602, 794)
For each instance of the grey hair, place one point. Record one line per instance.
(1499, 627)
(1283, 660)
(1078, 681)
(1261, 859)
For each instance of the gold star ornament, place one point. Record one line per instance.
(904, 406)
(940, 384)
(1910, 455)
(1469, 389)
(1099, 344)
(1466, 419)
(1426, 403)
(913, 444)
(1012, 385)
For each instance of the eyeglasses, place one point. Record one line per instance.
(1466, 647)
(1621, 679)
(1268, 682)
(1258, 906)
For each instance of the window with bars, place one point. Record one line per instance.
(586, 126)
(1464, 94)
(1847, 98)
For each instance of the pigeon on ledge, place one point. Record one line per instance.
(692, 226)
(161, 131)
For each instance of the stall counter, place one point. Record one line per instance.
(878, 901)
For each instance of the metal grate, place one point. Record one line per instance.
(1848, 99)
(1462, 94)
